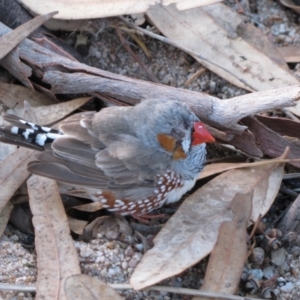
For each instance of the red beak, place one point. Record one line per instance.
(201, 134)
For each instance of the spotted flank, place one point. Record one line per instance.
(169, 189)
(36, 134)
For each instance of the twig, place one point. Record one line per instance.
(290, 115)
(136, 57)
(125, 286)
(194, 76)
(184, 291)
(187, 50)
(17, 287)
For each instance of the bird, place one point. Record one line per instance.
(134, 159)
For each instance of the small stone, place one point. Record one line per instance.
(257, 256)
(257, 273)
(287, 288)
(212, 86)
(132, 263)
(86, 251)
(278, 256)
(110, 245)
(269, 271)
(111, 271)
(129, 251)
(14, 238)
(295, 251)
(282, 28)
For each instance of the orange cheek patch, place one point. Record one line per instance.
(166, 141)
(178, 153)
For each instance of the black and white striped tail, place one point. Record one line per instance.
(29, 133)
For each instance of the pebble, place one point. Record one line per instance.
(287, 288)
(132, 263)
(86, 251)
(269, 271)
(278, 256)
(129, 251)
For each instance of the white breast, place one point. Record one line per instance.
(176, 194)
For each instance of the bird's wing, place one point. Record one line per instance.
(124, 165)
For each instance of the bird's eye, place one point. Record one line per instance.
(177, 133)
(186, 124)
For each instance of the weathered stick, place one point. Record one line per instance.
(66, 76)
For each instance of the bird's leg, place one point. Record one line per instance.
(144, 219)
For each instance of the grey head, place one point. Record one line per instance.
(164, 118)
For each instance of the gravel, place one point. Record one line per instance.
(114, 261)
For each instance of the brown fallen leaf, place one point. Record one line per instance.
(57, 257)
(13, 172)
(4, 216)
(74, 10)
(52, 113)
(76, 225)
(228, 257)
(217, 168)
(210, 35)
(271, 143)
(13, 38)
(283, 126)
(291, 4)
(290, 221)
(89, 207)
(89, 288)
(290, 53)
(246, 142)
(6, 150)
(192, 231)
(255, 37)
(14, 95)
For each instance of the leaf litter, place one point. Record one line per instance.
(271, 180)
(192, 231)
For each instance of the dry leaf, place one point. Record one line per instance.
(89, 288)
(52, 113)
(10, 40)
(283, 126)
(255, 37)
(76, 225)
(192, 232)
(210, 32)
(89, 207)
(216, 168)
(90, 9)
(290, 53)
(290, 221)
(6, 150)
(4, 216)
(291, 4)
(228, 257)
(56, 254)
(270, 142)
(246, 142)
(13, 172)
(14, 95)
